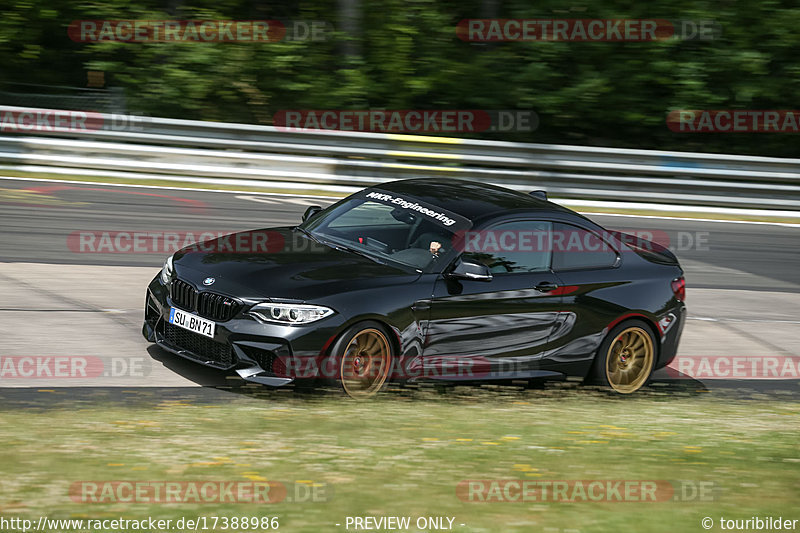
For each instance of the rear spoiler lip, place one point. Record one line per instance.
(649, 250)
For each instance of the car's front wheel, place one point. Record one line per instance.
(626, 358)
(364, 355)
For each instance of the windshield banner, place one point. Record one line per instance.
(433, 213)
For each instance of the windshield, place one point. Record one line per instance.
(410, 232)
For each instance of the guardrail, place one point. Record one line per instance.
(185, 150)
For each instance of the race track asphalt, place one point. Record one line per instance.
(61, 298)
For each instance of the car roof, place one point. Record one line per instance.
(471, 199)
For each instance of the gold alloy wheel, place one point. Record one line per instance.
(629, 360)
(365, 364)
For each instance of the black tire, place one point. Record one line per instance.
(626, 358)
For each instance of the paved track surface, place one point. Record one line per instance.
(744, 279)
(37, 218)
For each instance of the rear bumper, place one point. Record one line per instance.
(671, 335)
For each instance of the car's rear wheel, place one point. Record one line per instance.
(626, 358)
(364, 356)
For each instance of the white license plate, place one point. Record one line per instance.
(191, 322)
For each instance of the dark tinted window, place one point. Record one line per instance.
(365, 215)
(511, 247)
(575, 248)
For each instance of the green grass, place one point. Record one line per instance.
(404, 453)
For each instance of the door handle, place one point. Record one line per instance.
(546, 286)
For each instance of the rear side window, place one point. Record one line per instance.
(577, 248)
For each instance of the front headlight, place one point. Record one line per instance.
(290, 313)
(167, 270)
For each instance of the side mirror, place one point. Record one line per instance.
(472, 270)
(311, 211)
(541, 195)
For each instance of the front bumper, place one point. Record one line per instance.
(269, 354)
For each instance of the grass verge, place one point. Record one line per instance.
(404, 455)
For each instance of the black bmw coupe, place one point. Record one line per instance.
(424, 279)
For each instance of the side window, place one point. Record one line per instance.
(576, 248)
(520, 246)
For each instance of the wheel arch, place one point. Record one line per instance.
(392, 335)
(629, 317)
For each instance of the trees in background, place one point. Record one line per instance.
(395, 54)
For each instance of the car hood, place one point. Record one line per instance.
(282, 263)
